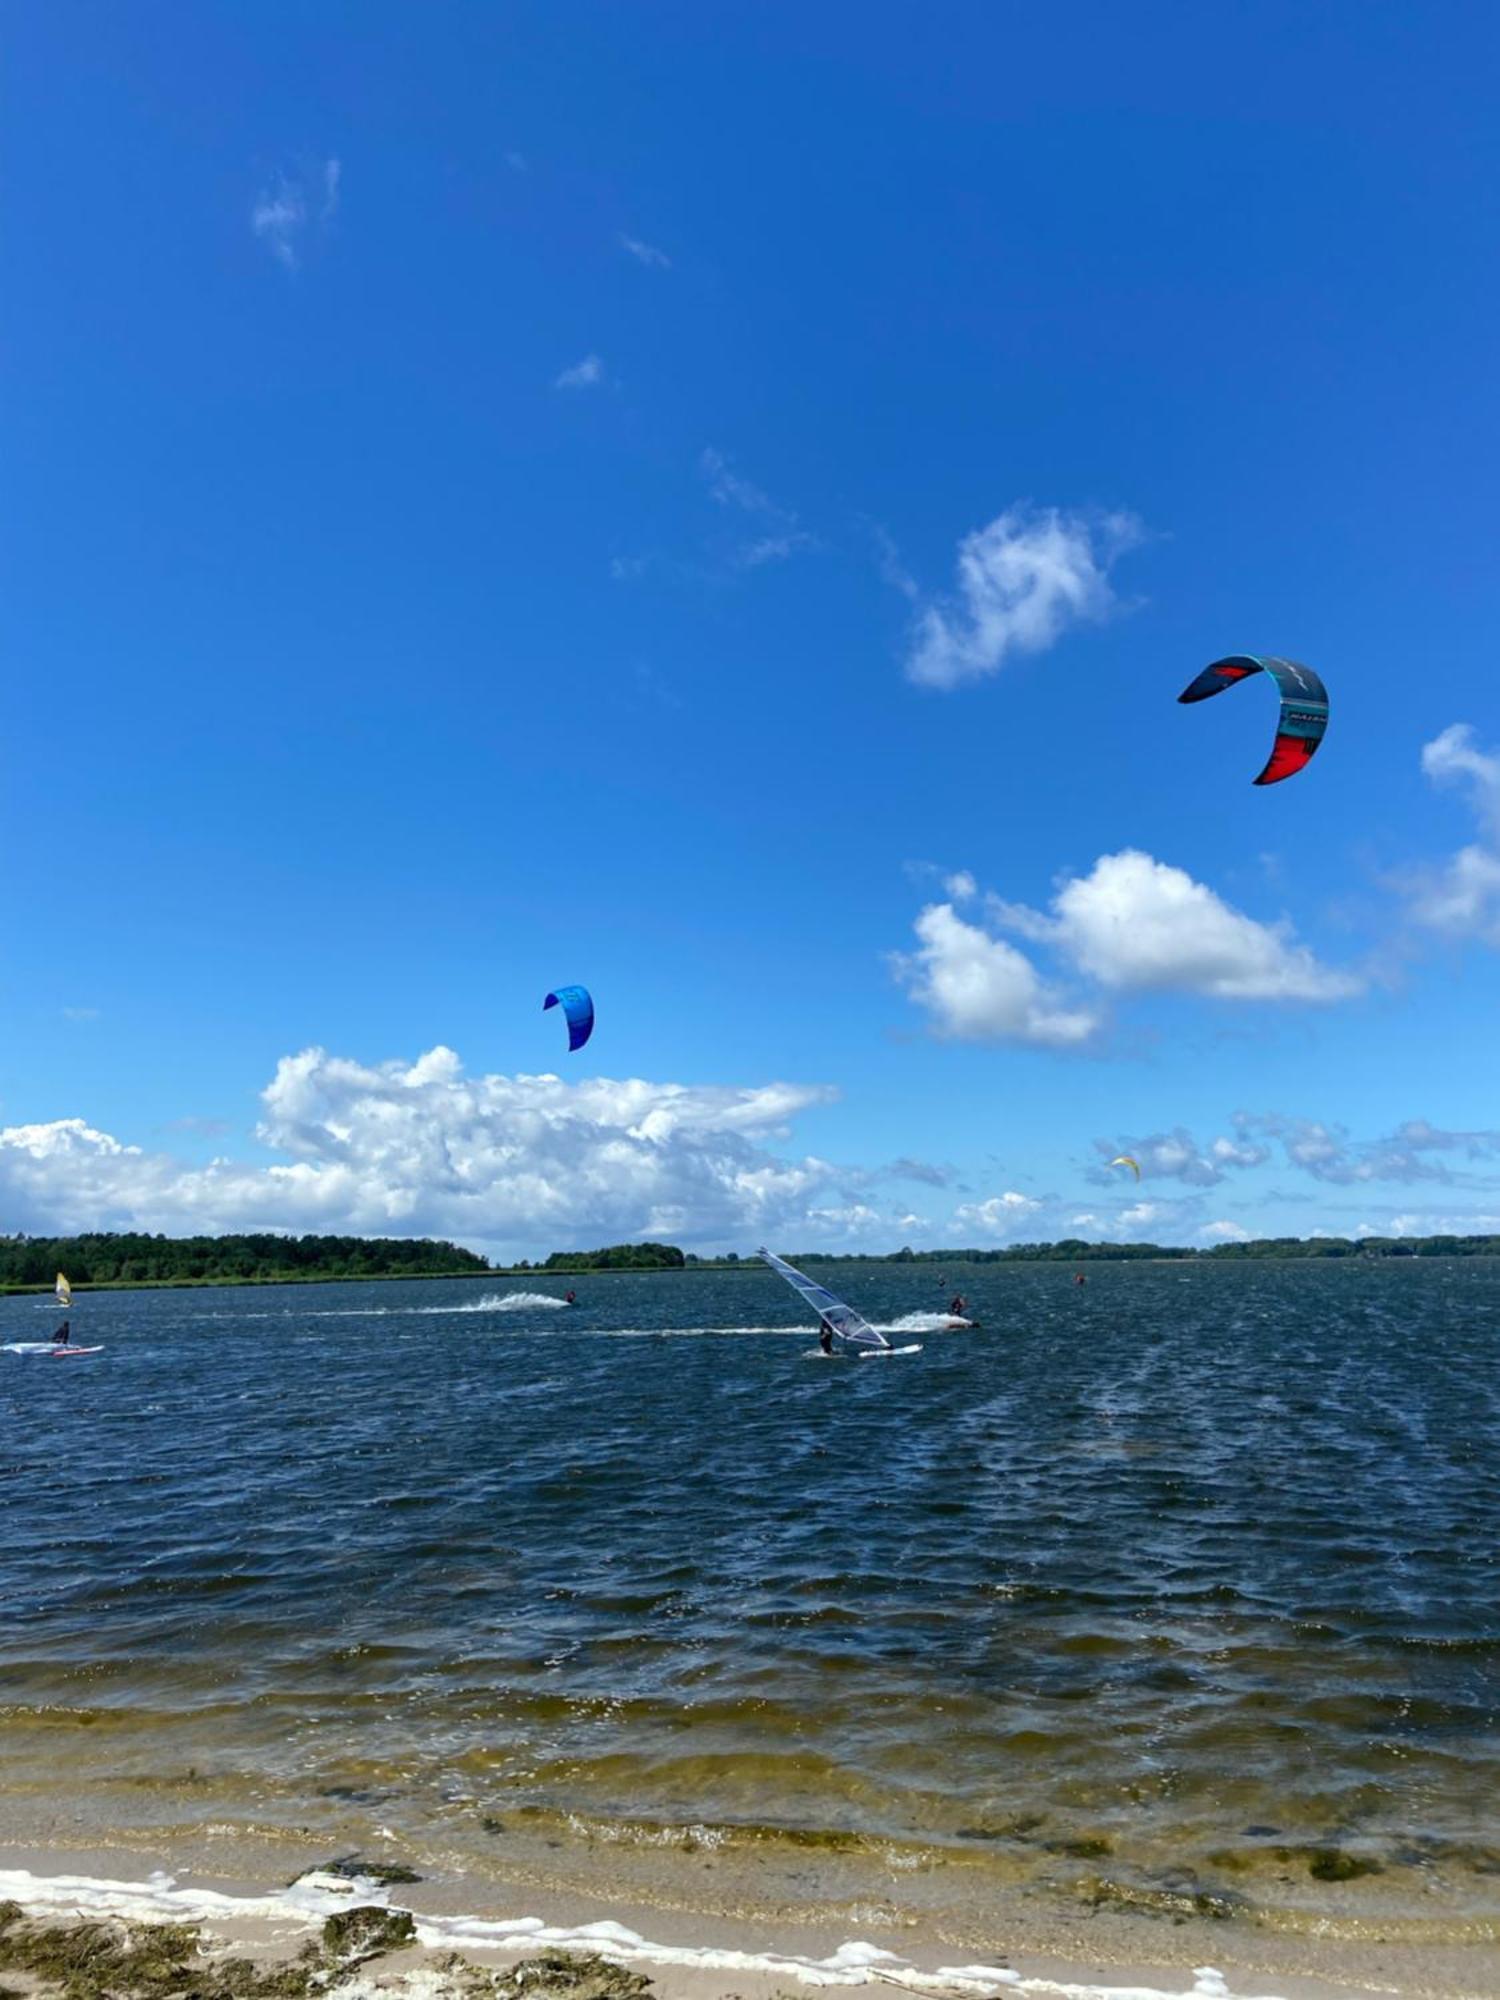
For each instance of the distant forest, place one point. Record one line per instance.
(224, 1260)
(32, 1262)
(618, 1257)
(1074, 1251)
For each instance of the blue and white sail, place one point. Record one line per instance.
(852, 1334)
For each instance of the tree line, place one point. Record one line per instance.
(126, 1258)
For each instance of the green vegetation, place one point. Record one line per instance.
(28, 1262)
(1073, 1250)
(618, 1257)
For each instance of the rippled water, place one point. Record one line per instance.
(1172, 1582)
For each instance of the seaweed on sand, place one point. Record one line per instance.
(119, 1961)
(114, 1960)
(554, 1975)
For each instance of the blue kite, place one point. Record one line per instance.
(578, 1008)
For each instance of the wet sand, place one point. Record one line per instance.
(1025, 1945)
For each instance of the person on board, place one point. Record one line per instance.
(63, 1335)
(825, 1336)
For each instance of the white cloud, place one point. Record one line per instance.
(773, 548)
(1328, 1153)
(1224, 1232)
(1454, 758)
(289, 210)
(1132, 925)
(585, 374)
(1135, 924)
(998, 1216)
(978, 988)
(644, 253)
(731, 489)
(1461, 896)
(780, 537)
(1022, 581)
(1176, 1155)
(519, 1163)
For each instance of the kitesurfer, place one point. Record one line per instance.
(63, 1335)
(825, 1337)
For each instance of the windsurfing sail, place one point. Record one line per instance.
(64, 1291)
(850, 1332)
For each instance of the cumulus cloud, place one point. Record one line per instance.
(978, 988)
(1022, 581)
(999, 1216)
(291, 210)
(644, 253)
(515, 1162)
(1135, 924)
(1461, 896)
(585, 374)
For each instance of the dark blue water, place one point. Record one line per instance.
(1187, 1569)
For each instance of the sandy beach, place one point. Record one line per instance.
(460, 1928)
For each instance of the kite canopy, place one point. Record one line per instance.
(578, 1009)
(1124, 1160)
(1304, 706)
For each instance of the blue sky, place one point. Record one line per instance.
(487, 494)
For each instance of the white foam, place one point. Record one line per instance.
(492, 1303)
(316, 1896)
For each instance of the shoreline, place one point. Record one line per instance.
(1186, 1259)
(1098, 1957)
(748, 1945)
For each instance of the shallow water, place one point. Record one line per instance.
(1184, 1583)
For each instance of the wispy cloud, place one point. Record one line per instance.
(644, 253)
(781, 535)
(585, 374)
(1022, 581)
(291, 211)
